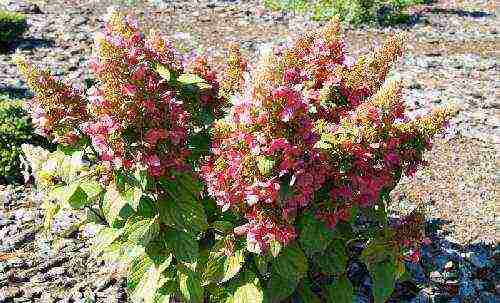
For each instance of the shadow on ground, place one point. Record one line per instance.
(12, 92)
(451, 272)
(26, 44)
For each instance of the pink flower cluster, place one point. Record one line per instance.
(313, 131)
(137, 116)
(134, 116)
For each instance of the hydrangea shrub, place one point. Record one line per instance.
(250, 186)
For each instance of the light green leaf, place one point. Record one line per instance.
(190, 79)
(104, 238)
(91, 188)
(163, 71)
(213, 270)
(137, 269)
(184, 246)
(248, 293)
(133, 196)
(190, 285)
(341, 291)
(150, 282)
(50, 211)
(112, 204)
(233, 264)
(144, 231)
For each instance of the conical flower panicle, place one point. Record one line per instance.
(314, 130)
(58, 108)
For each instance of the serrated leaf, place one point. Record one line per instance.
(190, 285)
(341, 291)
(248, 293)
(182, 212)
(136, 271)
(291, 263)
(184, 246)
(150, 282)
(233, 264)
(384, 277)
(143, 232)
(314, 236)
(91, 188)
(213, 270)
(163, 71)
(112, 204)
(306, 294)
(334, 259)
(105, 237)
(223, 226)
(265, 165)
(133, 196)
(280, 288)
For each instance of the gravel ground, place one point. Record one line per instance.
(451, 59)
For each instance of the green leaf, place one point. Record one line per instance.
(141, 175)
(306, 294)
(137, 269)
(291, 263)
(280, 288)
(376, 252)
(340, 292)
(383, 276)
(190, 285)
(184, 246)
(265, 165)
(190, 79)
(143, 232)
(223, 226)
(248, 293)
(112, 204)
(213, 269)
(133, 196)
(104, 238)
(50, 211)
(91, 188)
(233, 264)
(181, 210)
(71, 195)
(314, 236)
(163, 71)
(333, 260)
